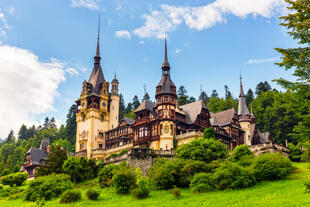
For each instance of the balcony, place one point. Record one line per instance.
(82, 153)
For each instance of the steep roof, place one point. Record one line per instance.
(145, 105)
(192, 110)
(129, 120)
(165, 85)
(224, 117)
(242, 107)
(37, 155)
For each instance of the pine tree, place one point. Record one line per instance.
(249, 96)
(46, 122)
(121, 107)
(71, 124)
(214, 94)
(203, 96)
(22, 133)
(52, 124)
(182, 96)
(227, 92)
(146, 97)
(262, 87)
(135, 102)
(10, 138)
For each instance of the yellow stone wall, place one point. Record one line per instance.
(166, 139)
(246, 126)
(114, 111)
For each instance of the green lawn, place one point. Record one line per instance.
(288, 192)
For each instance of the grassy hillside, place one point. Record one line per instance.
(288, 192)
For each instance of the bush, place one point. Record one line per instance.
(124, 180)
(233, 176)
(92, 194)
(202, 183)
(176, 192)
(106, 174)
(73, 168)
(165, 174)
(10, 191)
(272, 166)
(89, 168)
(14, 179)
(205, 150)
(143, 189)
(1, 186)
(193, 167)
(307, 187)
(48, 187)
(70, 196)
(295, 152)
(239, 152)
(6, 171)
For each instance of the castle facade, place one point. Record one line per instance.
(157, 125)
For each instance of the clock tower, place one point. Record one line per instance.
(97, 109)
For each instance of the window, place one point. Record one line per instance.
(101, 118)
(166, 98)
(84, 117)
(82, 146)
(161, 129)
(101, 134)
(100, 146)
(140, 132)
(113, 107)
(171, 128)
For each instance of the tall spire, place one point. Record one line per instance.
(97, 56)
(242, 108)
(166, 64)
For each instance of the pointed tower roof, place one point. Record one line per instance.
(242, 109)
(166, 63)
(165, 85)
(96, 78)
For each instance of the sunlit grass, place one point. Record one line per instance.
(288, 192)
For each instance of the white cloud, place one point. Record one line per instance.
(27, 87)
(167, 18)
(118, 8)
(252, 61)
(11, 10)
(72, 72)
(141, 42)
(89, 4)
(177, 51)
(123, 34)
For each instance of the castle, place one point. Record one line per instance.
(158, 125)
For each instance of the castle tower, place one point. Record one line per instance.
(93, 114)
(245, 116)
(166, 104)
(114, 103)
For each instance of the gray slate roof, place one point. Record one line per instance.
(96, 79)
(37, 155)
(192, 110)
(224, 117)
(129, 120)
(146, 105)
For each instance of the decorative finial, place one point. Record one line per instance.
(115, 75)
(98, 50)
(166, 63)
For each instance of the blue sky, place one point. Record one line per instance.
(47, 49)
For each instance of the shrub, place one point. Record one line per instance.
(48, 187)
(73, 168)
(176, 192)
(14, 179)
(272, 166)
(70, 196)
(205, 150)
(233, 176)
(10, 191)
(193, 167)
(89, 168)
(1, 186)
(124, 180)
(6, 171)
(239, 152)
(143, 189)
(92, 194)
(165, 174)
(307, 187)
(202, 183)
(106, 174)
(295, 152)
(122, 152)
